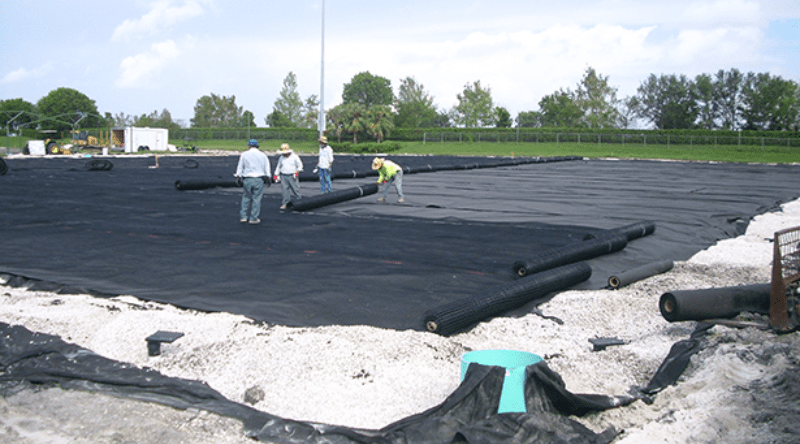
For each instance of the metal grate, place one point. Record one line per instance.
(788, 243)
(784, 310)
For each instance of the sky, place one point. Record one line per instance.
(140, 56)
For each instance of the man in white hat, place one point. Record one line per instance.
(391, 173)
(287, 172)
(324, 165)
(253, 171)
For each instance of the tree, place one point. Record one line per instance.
(379, 121)
(560, 109)
(705, 94)
(528, 119)
(502, 117)
(769, 103)
(668, 101)
(355, 119)
(289, 104)
(443, 119)
(728, 97)
(311, 112)
(216, 112)
(597, 100)
(64, 108)
(156, 120)
(475, 107)
(21, 111)
(368, 90)
(121, 119)
(248, 120)
(414, 106)
(336, 121)
(277, 120)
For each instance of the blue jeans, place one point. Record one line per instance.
(251, 198)
(325, 180)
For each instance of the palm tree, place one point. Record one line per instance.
(379, 118)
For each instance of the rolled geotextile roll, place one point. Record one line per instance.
(184, 185)
(350, 174)
(459, 314)
(574, 252)
(3, 167)
(714, 303)
(334, 197)
(636, 230)
(637, 274)
(632, 231)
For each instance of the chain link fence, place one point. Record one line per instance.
(642, 139)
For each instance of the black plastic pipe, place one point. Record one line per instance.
(637, 274)
(714, 303)
(184, 185)
(459, 314)
(577, 251)
(334, 197)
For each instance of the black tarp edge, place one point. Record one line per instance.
(470, 412)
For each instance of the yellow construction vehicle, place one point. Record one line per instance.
(83, 139)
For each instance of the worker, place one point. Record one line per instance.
(287, 172)
(253, 171)
(324, 165)
(390, 172)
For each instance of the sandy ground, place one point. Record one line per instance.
(742, 388)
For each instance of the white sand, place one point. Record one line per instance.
(368, 377)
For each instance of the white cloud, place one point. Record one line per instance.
(708, 48)
(23, 74)
(162, 16)
(138, 70)
(728, 13)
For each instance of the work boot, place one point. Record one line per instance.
(243, 220)
(381, 199)
(283, 207)
(401, 200)
(255, 221)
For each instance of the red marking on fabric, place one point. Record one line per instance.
(310, 251)
(152, 236)
(393, 262)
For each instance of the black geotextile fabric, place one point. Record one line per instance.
(469, 415)
(127, 229)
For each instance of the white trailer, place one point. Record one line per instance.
(134, 139)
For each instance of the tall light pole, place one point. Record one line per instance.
(321, 124)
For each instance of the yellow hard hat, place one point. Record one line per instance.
(323, 139)
(377, 163)
(285, 149)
